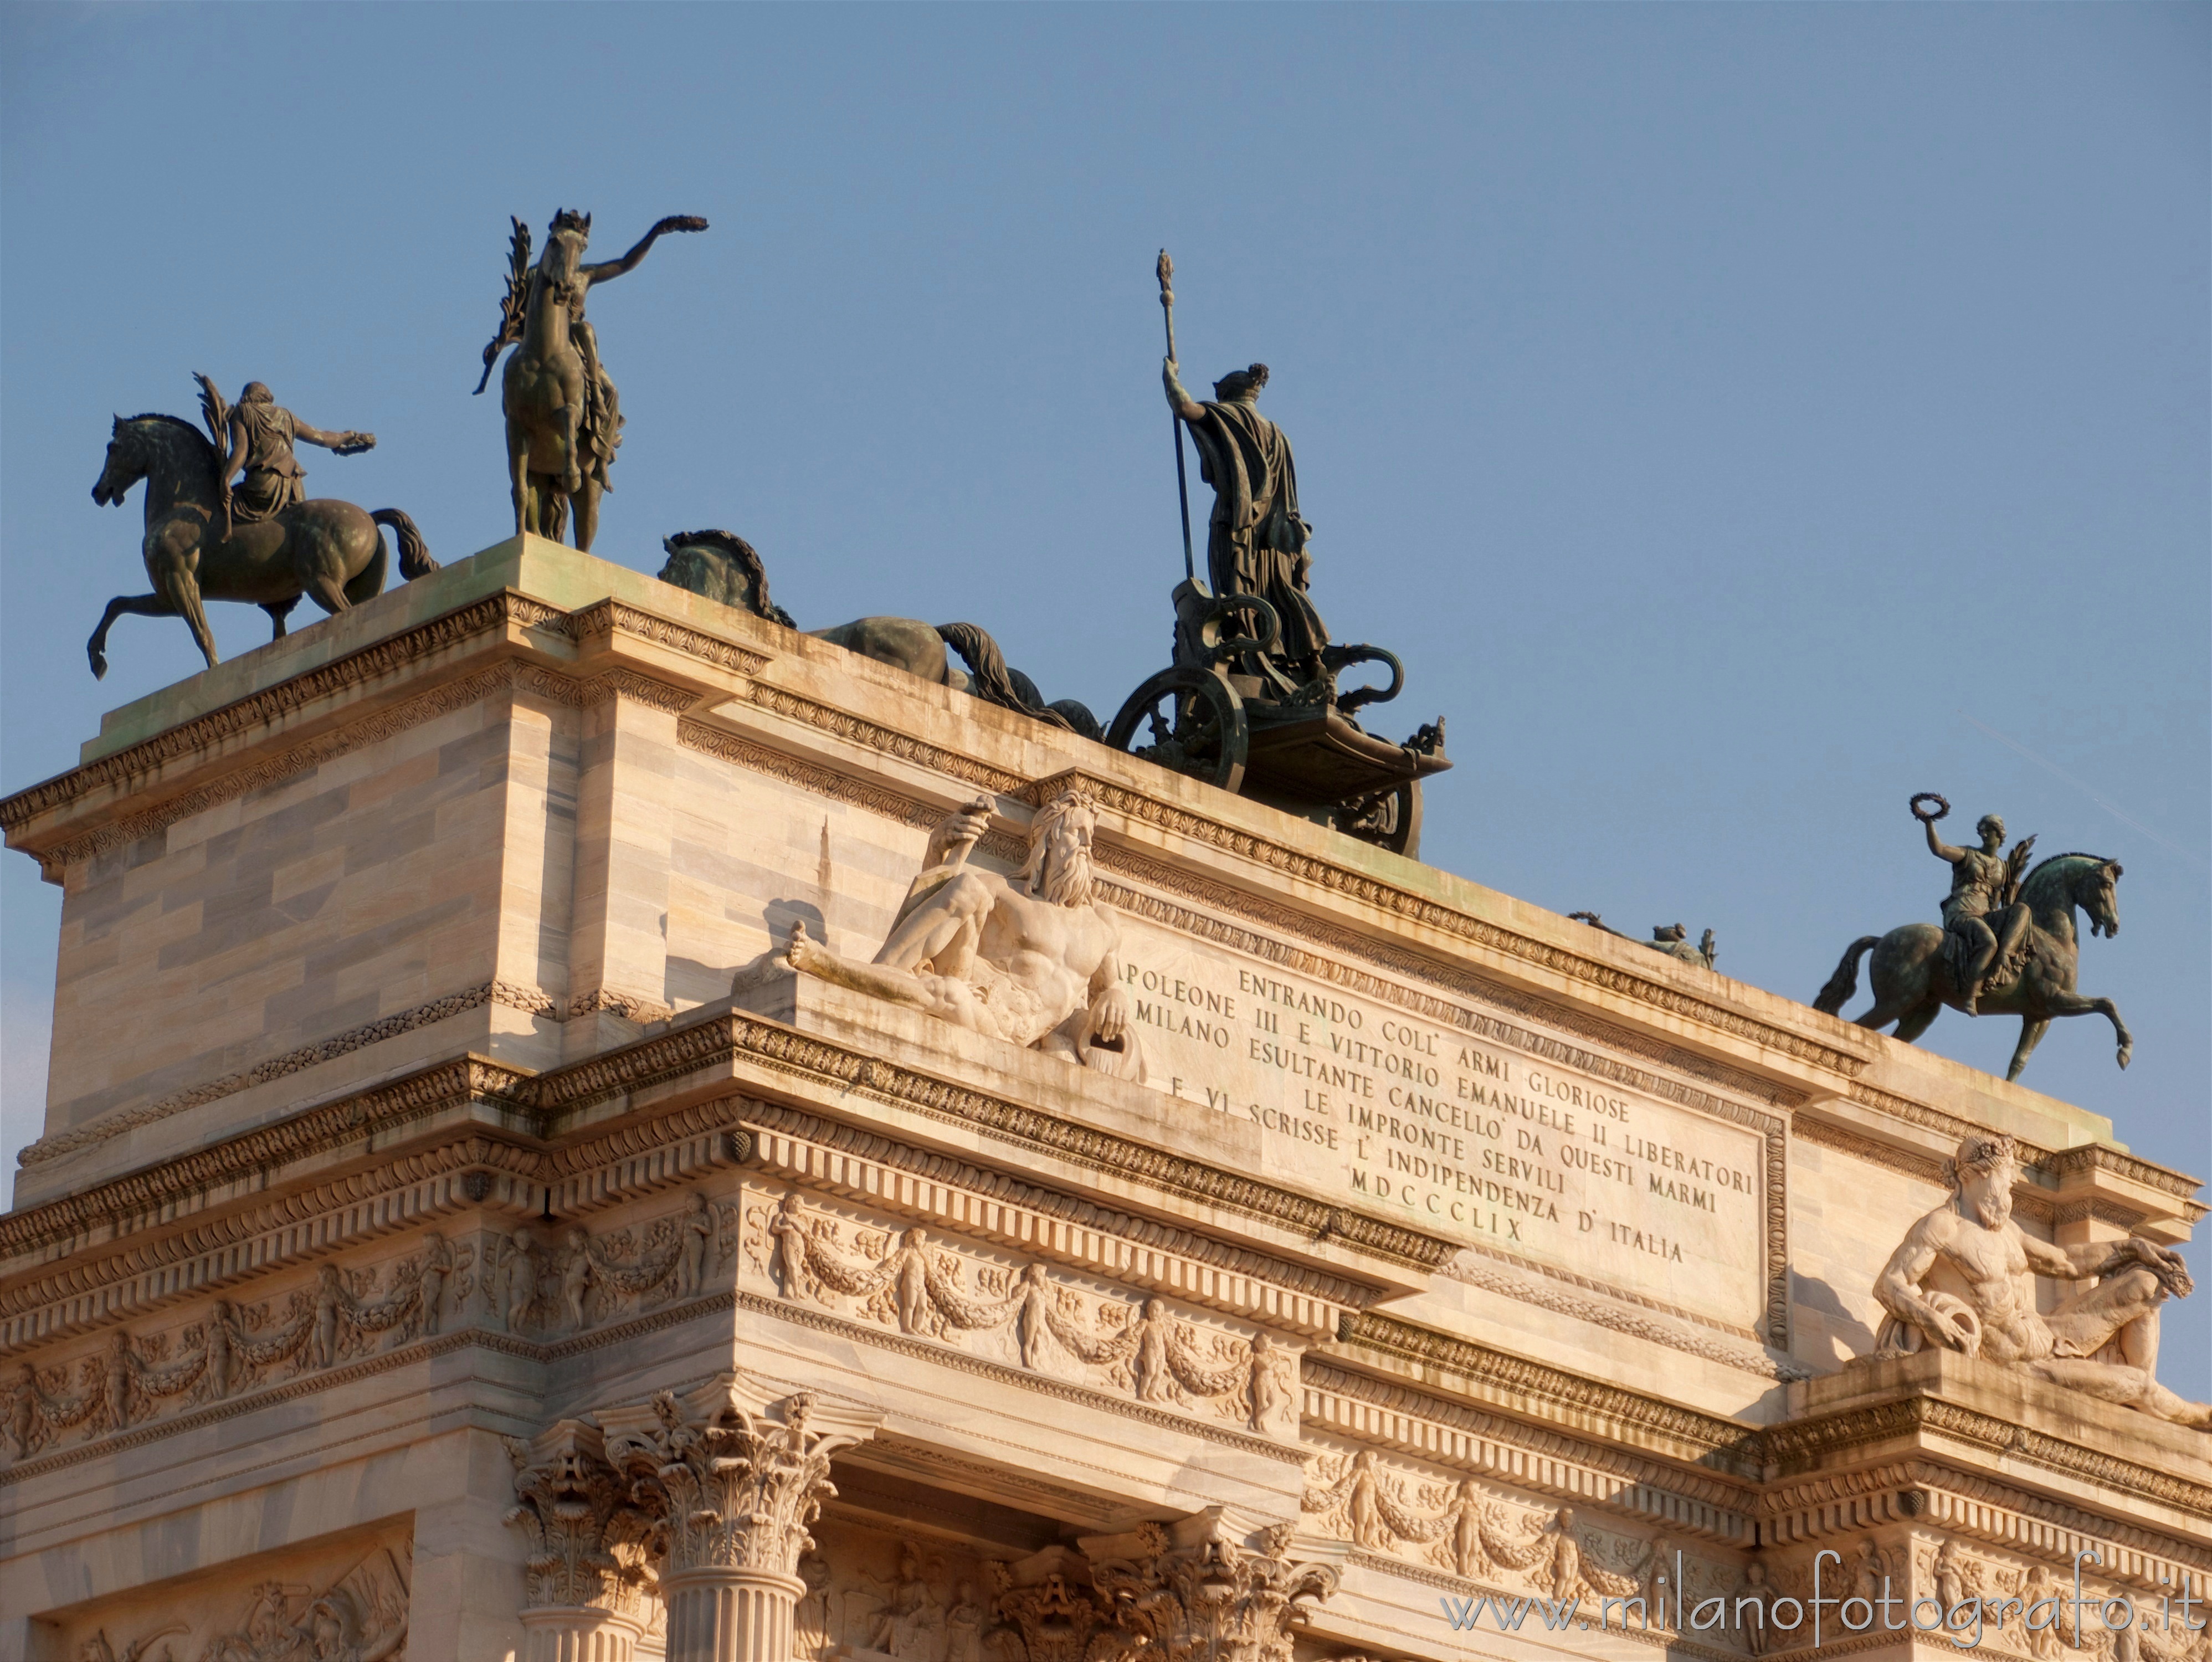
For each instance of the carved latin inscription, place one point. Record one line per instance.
(1507, 1151)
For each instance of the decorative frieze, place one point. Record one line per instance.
(1020, 1314)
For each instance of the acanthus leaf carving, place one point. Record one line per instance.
(730, 1480)
(588, 1545)
(1208, 1589)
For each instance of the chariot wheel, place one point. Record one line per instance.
(1194, 723)
(1391, 821)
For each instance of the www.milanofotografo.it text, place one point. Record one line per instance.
(1964, 1622)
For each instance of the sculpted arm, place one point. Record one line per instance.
(345, 443)
(2101, 1259)
(1897, 1289)
(1938, 847)
(607, 269)
(236, 457)
(1110, 999)
(1178, 400)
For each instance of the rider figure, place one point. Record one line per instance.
(262, 431)
(1979, 880)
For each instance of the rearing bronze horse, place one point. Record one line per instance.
(563, 420)
(330, 550)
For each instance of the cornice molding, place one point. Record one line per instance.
(1798, 1446)
(1076, 1233)
(1519, 1385)
(609, 617)
(91, 1289)
(128, 1202)
(1547, 1459)
(1932, 1492)
(134, 767)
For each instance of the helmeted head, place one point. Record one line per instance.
(1990, 829)
(567, 219)
(256, 392)
(1241, 384)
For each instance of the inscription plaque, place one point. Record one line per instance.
(1515, 1153)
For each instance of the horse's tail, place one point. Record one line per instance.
(415, 559)
(987, 667)
(1846, 981)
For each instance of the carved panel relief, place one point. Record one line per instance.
(228, 1347)
(871, 1594)
(1021, 1314)
(346, 1601)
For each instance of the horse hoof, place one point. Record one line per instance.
(2123, 1058)
(99, 665)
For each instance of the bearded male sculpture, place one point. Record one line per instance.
(1958, 1278)
(1029, 958)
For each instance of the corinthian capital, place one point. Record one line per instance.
(1212, 1585)
(732, 1478)
(587, 1545)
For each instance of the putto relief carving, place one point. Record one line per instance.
(346, 1603)
(1958, 1278)
(1208, 1588)
(1031, 958)
(548, 1283)
(1019, 1314)
(1460, 1526)
(230, 1346)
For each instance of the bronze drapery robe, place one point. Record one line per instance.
(1255, 544)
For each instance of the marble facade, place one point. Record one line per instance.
(455, 1234)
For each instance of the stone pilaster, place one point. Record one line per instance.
(733, 1480)
(588, 1579)
(1209, 1586)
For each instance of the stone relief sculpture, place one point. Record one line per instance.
(724, 567)
(1029, 958)
(232, 1348)
(263, 544)
(563, 416)
(587, 1279)
(1959, 1277)
(1461, 1528)
(922, 1288)
(1672, 939)
(360, 1616)
(2009, 945)
(1208, 1586)
(1047, 1610)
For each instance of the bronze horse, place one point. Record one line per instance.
(328, 551)
(1912, 983)
(724, 567)
(563, 418)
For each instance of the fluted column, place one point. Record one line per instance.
(588, 1575)
(731, 1480)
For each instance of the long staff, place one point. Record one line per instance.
(1182, 485)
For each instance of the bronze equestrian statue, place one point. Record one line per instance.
(563, 415)
(265, 542)
(2009, 945)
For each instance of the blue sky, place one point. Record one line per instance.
(1738, 418)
